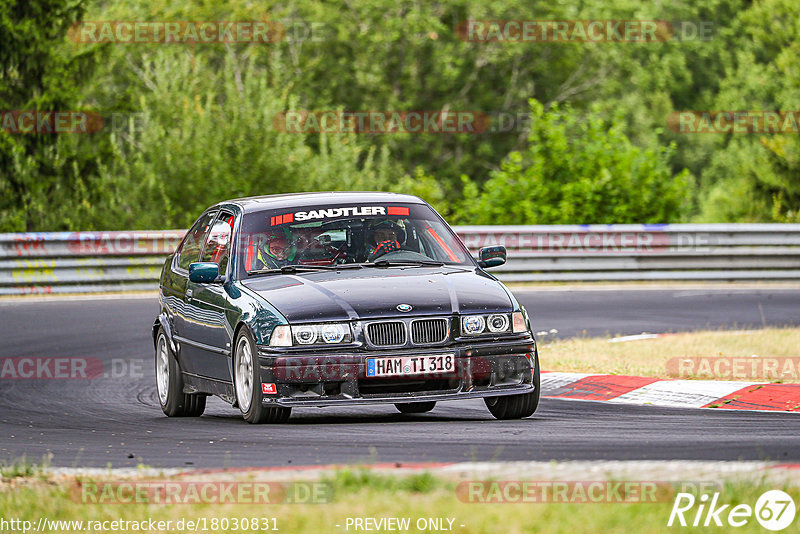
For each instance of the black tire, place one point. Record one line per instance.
(415, 407)
(517, 406)
(252, 410)
(175, 403)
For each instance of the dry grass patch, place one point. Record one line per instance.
(650, 357)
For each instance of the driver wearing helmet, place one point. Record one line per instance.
(383, 237)
(276, 252)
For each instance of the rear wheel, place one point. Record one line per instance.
(415, 407)
(517, 406)
(248, 384)
(169, 383)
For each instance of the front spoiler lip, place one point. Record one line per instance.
(516, 347)
(400, 398)
(477, 347)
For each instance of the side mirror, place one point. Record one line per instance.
(203, 272)
(493, 256)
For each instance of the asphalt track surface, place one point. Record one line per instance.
(117, 421)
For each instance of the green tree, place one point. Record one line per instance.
(196, 138)
(207, 134)
(578, 168)
(756, 177)
(40, 172)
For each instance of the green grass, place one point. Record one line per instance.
(22, 468)
(346, 481)
(361, 493)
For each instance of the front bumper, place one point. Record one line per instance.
(482, 369)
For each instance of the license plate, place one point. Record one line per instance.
(435, 364)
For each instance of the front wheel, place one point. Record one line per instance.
(248, 384)
(169, 383)
(415, 407)
(517, 406)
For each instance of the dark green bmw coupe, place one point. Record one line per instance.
(326, 299)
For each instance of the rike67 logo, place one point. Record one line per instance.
(774, 510)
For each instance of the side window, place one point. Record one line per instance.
(217, 248)
(190, 249)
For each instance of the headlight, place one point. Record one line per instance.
(473, 325)
(305, 335)
(494, 323)
(311, 334)
(333, 333)
(498, 322)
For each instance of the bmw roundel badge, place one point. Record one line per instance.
(404, 307)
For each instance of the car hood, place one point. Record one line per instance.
(374, 293)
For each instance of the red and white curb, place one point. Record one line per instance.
(672, 393)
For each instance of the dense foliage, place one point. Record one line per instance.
(579, 131)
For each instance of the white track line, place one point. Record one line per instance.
(553, 381)
(682, 393)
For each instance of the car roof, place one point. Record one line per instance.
(295, 200)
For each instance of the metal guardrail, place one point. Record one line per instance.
(62, 262)
(83, 262)
(643, 252)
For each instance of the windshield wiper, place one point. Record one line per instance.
(289, 269)
(404, 263)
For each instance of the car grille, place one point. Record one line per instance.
(387, 334)
(426, 331)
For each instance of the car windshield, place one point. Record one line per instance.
(369, 235)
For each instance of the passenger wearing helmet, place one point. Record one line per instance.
(383, 237)
(276, 251)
